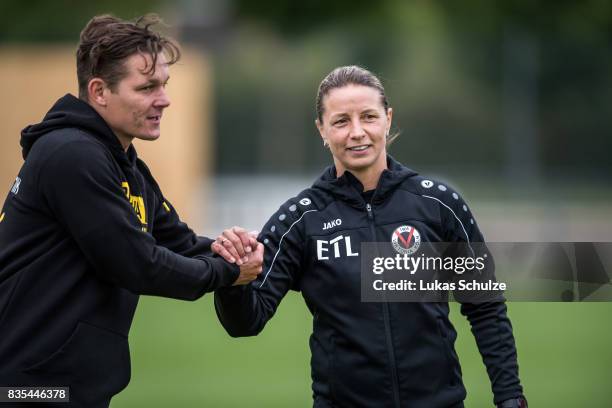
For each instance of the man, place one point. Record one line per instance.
(85, 228)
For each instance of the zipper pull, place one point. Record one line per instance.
(369, 210)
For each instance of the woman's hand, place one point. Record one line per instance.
(235, 244)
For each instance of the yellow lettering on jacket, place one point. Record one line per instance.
(137, 203)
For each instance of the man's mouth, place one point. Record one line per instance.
(155, 118)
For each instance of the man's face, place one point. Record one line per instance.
(134, 109)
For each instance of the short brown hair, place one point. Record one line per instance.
(106, 41)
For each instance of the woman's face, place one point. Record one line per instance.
(355, 125)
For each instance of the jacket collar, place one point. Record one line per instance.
(348, 188)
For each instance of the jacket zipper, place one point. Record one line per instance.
(387, 321)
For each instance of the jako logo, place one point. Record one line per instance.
(332, 224)
(324, 246)
(406, 239)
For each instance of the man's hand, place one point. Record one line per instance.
(235, 244)
(250, 269)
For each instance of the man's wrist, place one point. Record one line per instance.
(519, 402)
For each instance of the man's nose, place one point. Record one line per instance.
(163, 100)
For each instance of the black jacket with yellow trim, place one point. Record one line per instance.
(85, 230)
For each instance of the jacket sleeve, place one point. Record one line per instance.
(83, 191)
(488, 319)
(245, 310)
(170, 232)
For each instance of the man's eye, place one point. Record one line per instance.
(339, 122)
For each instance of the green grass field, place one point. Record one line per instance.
(182, 357)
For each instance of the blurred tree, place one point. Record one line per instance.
(61, 20)
(516, 86)
(299, 17)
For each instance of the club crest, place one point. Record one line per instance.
(406, 239)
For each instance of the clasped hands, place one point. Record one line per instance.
(237, 245)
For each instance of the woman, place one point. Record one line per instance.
(378, 353)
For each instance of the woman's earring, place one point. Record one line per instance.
(324, 142)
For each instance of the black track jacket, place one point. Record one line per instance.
(83, 232)
(371, 354)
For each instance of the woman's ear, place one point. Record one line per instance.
(389, 119)
(320, 128)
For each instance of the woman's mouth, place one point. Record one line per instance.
(359, 148)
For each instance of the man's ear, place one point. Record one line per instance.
(96, 92)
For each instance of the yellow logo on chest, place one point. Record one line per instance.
(137, 203)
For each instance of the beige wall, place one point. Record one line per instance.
(33, 78)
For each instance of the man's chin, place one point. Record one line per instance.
(149, 137)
